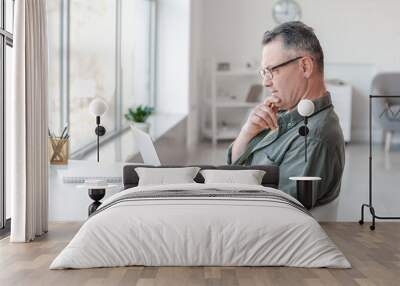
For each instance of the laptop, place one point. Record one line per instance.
(146, 147)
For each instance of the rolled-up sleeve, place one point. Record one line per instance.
(245, 158)
(229, 155)
(242, 160)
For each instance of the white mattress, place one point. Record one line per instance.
(200, 231)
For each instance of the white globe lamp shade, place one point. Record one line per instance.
(305, 107)
(98, 107)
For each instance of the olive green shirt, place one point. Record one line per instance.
(284, 147)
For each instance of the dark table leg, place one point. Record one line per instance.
(305, 193)
(96, 195)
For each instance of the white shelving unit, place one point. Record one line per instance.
(215, 102)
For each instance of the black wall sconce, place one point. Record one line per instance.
(97, 108)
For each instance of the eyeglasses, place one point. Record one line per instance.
(266, 73)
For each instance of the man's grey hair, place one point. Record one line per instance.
(298, 37)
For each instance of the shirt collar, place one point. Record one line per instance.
(289, 119)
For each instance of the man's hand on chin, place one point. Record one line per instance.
(263, 116)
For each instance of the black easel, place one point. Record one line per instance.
(369, 205)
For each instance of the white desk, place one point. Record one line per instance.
(66, 201)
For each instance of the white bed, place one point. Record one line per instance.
(207, 230)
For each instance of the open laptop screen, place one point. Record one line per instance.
(146, 147)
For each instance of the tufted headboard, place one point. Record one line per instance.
(271, 178)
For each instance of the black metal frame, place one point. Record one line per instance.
(370, 205)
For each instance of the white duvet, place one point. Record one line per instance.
(200, 231)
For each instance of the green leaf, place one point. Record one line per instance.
(139, 114)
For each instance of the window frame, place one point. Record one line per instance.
(119, 127)
(6, 39)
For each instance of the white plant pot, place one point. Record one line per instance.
(144, 126)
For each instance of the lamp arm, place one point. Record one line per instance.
(100, 131)
(305, 137)
(305, 143)
(98, 137)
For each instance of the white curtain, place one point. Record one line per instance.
(27, 123)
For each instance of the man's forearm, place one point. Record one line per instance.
(240, 144)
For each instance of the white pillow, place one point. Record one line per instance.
(162, 176)
(248, 177)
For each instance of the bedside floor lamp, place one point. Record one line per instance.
(97, 108)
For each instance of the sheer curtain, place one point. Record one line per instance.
(27, 123)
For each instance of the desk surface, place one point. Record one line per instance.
(66, 201)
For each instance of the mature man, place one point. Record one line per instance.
(293, 69)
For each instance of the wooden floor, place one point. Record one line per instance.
(375, 257)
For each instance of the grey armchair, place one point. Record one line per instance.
(387, 109)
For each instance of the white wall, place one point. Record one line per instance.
(356, 31)
(359, 38)
(179, 61)
(135, 53)
(173, 56)
(195, 80)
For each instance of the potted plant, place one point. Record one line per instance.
(139, 116)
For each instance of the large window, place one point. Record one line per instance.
(92, 63)
(99, 49)
(6, 43)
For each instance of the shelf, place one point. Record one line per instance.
(236, 104)
(222, 132)
(228, 91)
(232, 103)
(240, 72)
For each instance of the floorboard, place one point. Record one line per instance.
(374, 255)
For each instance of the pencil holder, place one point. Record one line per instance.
(58, 151)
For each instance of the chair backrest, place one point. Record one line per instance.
(387, 84)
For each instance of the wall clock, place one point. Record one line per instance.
(285, 11)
